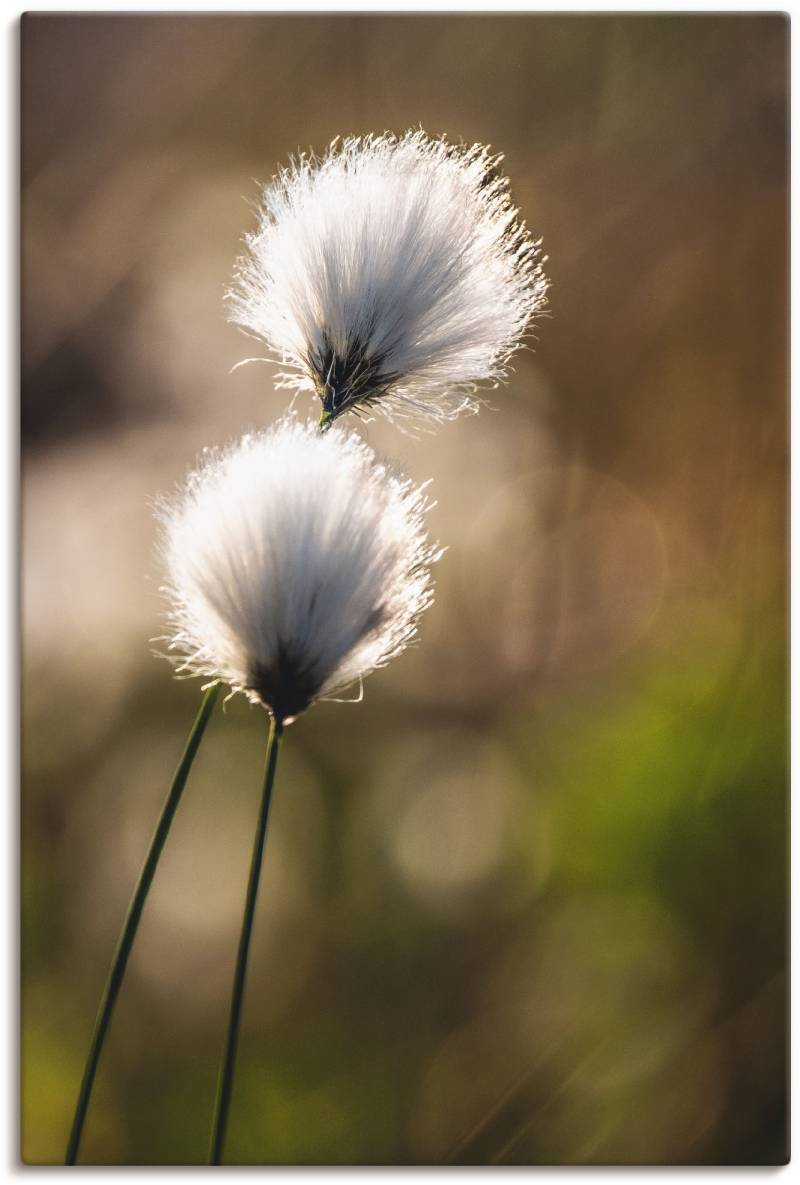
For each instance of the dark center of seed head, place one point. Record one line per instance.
(283, 687)
(349, 377)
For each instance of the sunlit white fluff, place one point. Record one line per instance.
(297, 564)
(392, 274)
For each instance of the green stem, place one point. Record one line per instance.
(120, 960)
(225, 1086)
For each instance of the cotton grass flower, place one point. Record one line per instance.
(297, 564)
(392, 275)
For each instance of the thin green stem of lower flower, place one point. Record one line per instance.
(120, 960)
(225, 1086)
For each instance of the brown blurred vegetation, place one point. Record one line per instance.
(526, 903)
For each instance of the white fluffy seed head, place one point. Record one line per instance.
(297, 563)
(392, 274)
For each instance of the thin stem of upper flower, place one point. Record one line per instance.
(120, 960)
(225, 1087)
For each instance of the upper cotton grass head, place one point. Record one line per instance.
(392, 274)
(296, 563)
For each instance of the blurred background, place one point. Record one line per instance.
(527, 902)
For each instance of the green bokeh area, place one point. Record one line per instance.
(527, 902)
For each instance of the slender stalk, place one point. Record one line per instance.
(120, 960)
(225, 1086)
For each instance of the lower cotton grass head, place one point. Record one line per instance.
(297, 563)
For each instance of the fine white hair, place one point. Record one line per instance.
(392, 274)
(296, 564)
